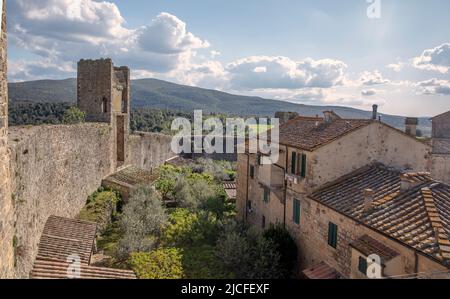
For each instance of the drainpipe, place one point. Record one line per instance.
(285, 187)
(416, 262)
(247, 188)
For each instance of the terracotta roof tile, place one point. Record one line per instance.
(367, 246)
(322, 271)
(309, 133)
(65, 237)
(418, 217)
(59, 270)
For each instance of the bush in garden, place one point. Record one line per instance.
(142, 221)
(188, 228)
(165, 263)
(247, 254)
(286, 246)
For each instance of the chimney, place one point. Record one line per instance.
(407, 183)
(284, 117)
(411, 126)
(375, 112)
(330, 116)
(369, 196)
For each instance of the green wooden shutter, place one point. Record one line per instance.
(303, 173)
(293, 162)
(296, 212)
(266, 194)
(332, 234)
(362, 265)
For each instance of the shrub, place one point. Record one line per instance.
(188, 228)
(219, 170)
(163, 263)
(247, 254)
(100, 208)
(142, 221)
(73, 115)
(286, 247)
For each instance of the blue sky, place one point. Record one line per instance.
(312, 52)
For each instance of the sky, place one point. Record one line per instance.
(394, 53)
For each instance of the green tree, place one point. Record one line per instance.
(143, 220)
(73, 115)
(165, 263)
(286, 246)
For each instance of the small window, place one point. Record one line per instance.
(266, 194)
(249, 205)
(362, 265)
(263, 225)
(252, 172)
(105, 105)
(294, 163)
(332, 234)
(296, 212)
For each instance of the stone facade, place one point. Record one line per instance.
(54, 170)
(7, 242)
(441, 147)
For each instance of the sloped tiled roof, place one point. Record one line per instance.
(418, 217)
(132, 176)
(65, 237)
(309, 133)
(367, 246)
(59, 270)
(322, 271)
(230, 189)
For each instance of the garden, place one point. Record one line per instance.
(197, 236)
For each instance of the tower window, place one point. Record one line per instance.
(105, 105)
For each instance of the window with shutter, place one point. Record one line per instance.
(296, 212)
(294, 163)
(362, 265)
(303, 172)
(252, 172)
(266, 194)
(332, 234)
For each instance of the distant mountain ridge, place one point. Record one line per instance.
(160, 94)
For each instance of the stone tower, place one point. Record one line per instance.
(441, 147)
(6, 205)
(103, 93)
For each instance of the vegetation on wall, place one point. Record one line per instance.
(101, 208)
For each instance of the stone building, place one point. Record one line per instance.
(318, 152)
(441, 147)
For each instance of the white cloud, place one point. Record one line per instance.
(368, 92)
(373, 78)
(279, 72)
(433, 87)
(22, 70)
(64, 31)
(436, 59)
(168, 35)
(396, 67)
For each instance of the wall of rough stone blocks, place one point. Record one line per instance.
(54, 170)
(6, 208)
(149, 150)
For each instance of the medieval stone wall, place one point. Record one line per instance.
(6, 208)
(149, 150)
(54, 170)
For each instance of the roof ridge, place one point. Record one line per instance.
(436, 222)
